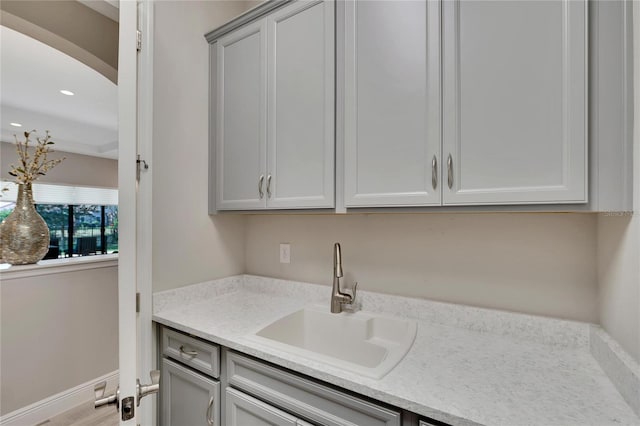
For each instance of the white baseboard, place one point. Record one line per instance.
(47, 408)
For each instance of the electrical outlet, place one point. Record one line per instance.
(285, 253)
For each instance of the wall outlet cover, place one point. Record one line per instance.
(285, 253)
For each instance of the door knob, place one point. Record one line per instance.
(143, 390)
(102, 400)
(151, 388)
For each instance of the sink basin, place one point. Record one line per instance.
(360, 342)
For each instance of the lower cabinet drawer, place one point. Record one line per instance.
(243, 410)
(188, 398)
(195, 353)
(432, 423)
(302, 397)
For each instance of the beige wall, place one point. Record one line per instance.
(189, 246)
(619, 250)
(77, 169)
(535, 263)
(57, 331)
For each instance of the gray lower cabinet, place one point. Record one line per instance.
(188, 398)
(305, 398)
(239, 390)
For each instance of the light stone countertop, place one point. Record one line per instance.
(462, 369)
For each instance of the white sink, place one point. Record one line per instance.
(361, 342)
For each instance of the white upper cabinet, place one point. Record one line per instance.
(301, 136)
(240, 115)
(514, 102)
(274, 111)
(435, 103)
(392, 103)
(513, 105)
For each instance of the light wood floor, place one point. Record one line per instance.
(85, 415)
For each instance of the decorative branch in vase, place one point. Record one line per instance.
(24, 235)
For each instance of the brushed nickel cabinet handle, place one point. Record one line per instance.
(450, 171)
(269, 186)
(260, 182)
(190, 353)
(434, 172)
(209, 409)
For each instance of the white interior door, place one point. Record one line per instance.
(134, 273)
(146, 343)
(127, 135)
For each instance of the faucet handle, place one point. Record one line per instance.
(353, 292)
(350, 304)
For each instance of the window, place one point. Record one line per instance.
(82, 221)
(93, 229)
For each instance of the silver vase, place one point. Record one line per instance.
(24, 235)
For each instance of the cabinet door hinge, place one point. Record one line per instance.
(138, 40)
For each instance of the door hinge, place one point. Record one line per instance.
(137, 302)
(140, 163)
(138, 40)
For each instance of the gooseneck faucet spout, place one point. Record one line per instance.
(337, 261)
(338, 298)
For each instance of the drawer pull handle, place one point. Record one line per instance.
(190, 353)
(450, 171)
(209, 410)
(434, 172)
(260, 183)
(269, 186)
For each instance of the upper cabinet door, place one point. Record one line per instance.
(240, 114)
(392, 103)
(301, 106)
(514, 102)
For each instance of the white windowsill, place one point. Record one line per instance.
(57, 266)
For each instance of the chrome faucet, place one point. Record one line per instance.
(339, 298)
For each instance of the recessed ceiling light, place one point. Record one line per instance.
(67, 92)
(16, 124)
